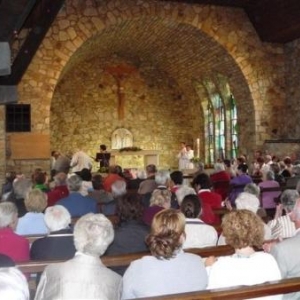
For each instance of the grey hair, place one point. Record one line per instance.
(270, 175)
(74, 183)
(219, 167)
(13, 284)
(252, 188)
(60, 179)
(160, 197)
(118, 188)
(21, 187)
(247, 201)
(93, 233)
(288, 199)
(182, 192)
(162, 177)
(57, 217)
(296, 170)
(8, 211)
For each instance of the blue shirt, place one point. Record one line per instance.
(32, 223)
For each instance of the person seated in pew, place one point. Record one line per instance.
(182, 192)
(198, 234)
(131, 232)
(13, 284)
(33, 221)
(168, 270)
(220, 180)
(281, 226)
(249, 202)
(11, 244)
(209, 199)
(58, 244)
(75, 203)
(268, 202)
(60, 189)
(244, 231)
(84, 276)
(240, 180)
(176, 181)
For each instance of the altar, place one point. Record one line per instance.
(134, 159)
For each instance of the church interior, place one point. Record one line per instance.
(222, 76)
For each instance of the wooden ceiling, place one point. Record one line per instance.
(24, 23)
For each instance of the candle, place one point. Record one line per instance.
(198, 147)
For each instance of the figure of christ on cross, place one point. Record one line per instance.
(119, 73)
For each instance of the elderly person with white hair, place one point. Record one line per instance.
(282, 227)
(59, 243)
(84, 276)
(250, 202)
(13, 284)
(11, 244)
(75, 203)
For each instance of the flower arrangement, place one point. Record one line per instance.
(130, 149)
(195, 160)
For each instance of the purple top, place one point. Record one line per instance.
(238, 180)
(150, 212)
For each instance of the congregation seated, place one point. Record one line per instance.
(247, 201)
(75, 203)
(39, 179)
(160, 200)
(238, 183)
(292, 181)
(220, 180)
(281, 226)
(60, 189)
(13, 284)
(168, 270)
(244, 231)
(58, 244)
(286, 167)
(149, 184)
(21, 186)
(209, 200)
(11, 244)
(136, 177)
(131, 232)
(7, 186)
(267, 198)
(176, 181)
(112, 176)
(86, 183)
(183, 191)
(197, 233)
(278, 176)
(98, 193)
(84, 276)
(33, 221)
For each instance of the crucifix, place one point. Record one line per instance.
(119, 73)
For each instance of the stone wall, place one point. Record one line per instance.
(170, 45)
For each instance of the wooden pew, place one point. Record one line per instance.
(125, 259)
(278, 287)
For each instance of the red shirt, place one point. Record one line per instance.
(220, 183)
(14, 245)
(56, 194)
(109, 180)
(209, 201)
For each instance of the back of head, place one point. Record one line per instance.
(97, 182)
(35, 201)
(141, 174)
(288, 199)
(129, 207)
(177, 177)
(118, 188)
(252, 188)
(166, 235)
(203, 180)
(103, 147)
(93, 233)
(74, 183)
(162, 177)
(160, 197)
(243, 168)
(8, 212)
(151, 169)
(247, 201)
(191, 206)
(243, 228)
(60, 179)
(182, 192)
(57, 217)
(39, 177)
(13, 284)
(21, 187)
(296, 170)
(270, 175)
(85, 174)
